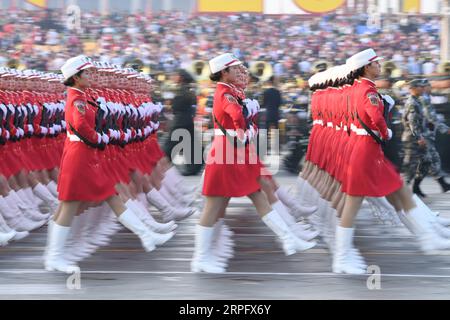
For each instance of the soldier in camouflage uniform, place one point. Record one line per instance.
(433, 124)
(414, 137)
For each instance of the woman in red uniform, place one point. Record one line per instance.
(82, 177)
(369, 172)
(232, 170)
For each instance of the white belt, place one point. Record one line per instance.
(318, 122)
(363, 132)
(330, 124)
(73, 138)
(218, 132)
(338, 128)
(345, 128)
(353, 127)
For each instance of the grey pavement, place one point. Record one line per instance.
(259, 269)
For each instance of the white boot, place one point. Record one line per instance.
(429, 215)
(5, 237)
(32, 199)
(160, 238)
(222, 247)
(173, 189)
(168, 211)
(342, 258)
(5, 228)
(54, 261)
(14, 216)
(49, 199)
(291, 244)
(295, 206)
(52, 187)
(203, 259)
(30, 212)
(132, 222)
(150, 221)
(290, 221)
(423, 229)
(177, 179)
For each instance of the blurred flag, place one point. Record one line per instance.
(38, 3)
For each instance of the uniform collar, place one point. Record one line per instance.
(76, 89)
(369, 81)
(225, 84)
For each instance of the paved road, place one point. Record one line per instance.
(258, 271)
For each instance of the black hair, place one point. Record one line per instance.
(186, 78)
(71, 81)
(218, 75)
(356, 74)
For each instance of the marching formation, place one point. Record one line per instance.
(110, 153)
(85, 160)
(345, 164)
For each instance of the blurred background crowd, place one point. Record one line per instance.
(282, 51)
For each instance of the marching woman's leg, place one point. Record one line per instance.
(344, 252)
(57, 237)
(129, 219)
(300, 230)
(291, 243)
(204, 259)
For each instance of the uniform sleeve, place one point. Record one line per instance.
(80, 122)
(414, 120)
(374, 108)
(234, 110)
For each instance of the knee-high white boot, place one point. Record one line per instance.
(298, 230)
(5, 228)
(203, 259)
(52, 187)
(159, 238)
(54, 260)
(296, 208)
(342, 258)
(132, 222)
(291, 244)
(421, 226)
(169, 212)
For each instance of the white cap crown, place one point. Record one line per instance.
(222, 62)
(75, 65)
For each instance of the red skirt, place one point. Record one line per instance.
(82, 174)
(231, 172)
(369, 172)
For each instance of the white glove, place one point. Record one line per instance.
(36, 109)
(389, 134)
(7, 135)
(51, 131)
(389, 100)
(257, 107)
(139, 133)
(99, 138)
(105, 138)
(3, 108)
(17, 133)
(155, 125)
(44, 130)
(30, 128)
(63, 124)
